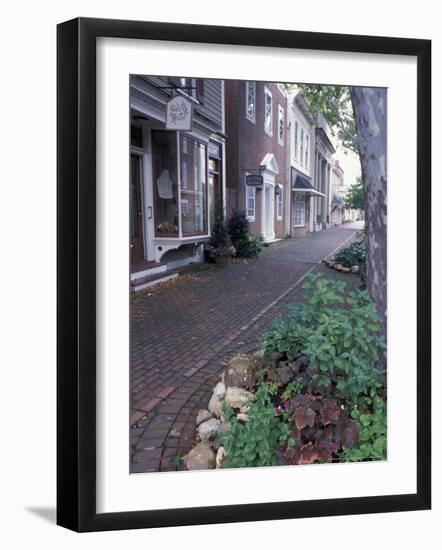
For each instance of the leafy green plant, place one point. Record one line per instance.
(354, 254)
(249, 247)
(220, 243)
(372, 419)
(286, 335)
(245, 244)
(257, 441)
(343, 339)
(176, 461)
(293, 388)
(238, 226)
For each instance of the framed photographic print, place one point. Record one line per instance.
(243, 274)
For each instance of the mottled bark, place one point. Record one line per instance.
(370, 112)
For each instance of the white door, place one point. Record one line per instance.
(269, 205)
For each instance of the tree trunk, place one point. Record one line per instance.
(370, 112)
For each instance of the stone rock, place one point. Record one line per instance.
(244, 409)
(220, 457)
(203, 415)
(201, 457)
(240, 362)
(259, 354)
(355, 269)
(338, 267)
(217, 400)
(234, 378)
(242, 417)
(237, 397)
(174, 433)
(345, 269)
(206, 429)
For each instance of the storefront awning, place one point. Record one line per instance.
(302, 184)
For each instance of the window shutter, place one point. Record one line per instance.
(200, 90)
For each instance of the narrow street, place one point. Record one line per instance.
(182, 335)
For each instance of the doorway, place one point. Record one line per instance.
(136, 210)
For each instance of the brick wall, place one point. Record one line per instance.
(247, 143)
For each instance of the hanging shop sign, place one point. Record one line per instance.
(179, 114)
(255, 180)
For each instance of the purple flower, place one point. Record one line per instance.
(286, 406)
(278, 409)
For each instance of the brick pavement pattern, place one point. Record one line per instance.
(183, 334)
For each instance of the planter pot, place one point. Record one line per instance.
(208, 258)
(222, 261)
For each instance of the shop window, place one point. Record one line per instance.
(165, 186)
(193, 187)
(299, 209)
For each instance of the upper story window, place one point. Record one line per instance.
(296, 144)
(301, 155)
(306, 150)
(280, 125)
(268, 112)
(193, 87)
(251, 101)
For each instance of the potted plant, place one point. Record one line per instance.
(220, 244)
(245, 244)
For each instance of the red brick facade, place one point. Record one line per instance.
(248, 144)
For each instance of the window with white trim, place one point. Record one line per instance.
(299, 209)
(279, 202)
(306, 150)
(268, 113)
(280, 125)
(250, 201)
(301, 150)
(295, 132)
(251, 101)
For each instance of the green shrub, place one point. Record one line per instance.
(220, 243)
(255, 442)
(354, 254)
(249, 247)
(245, 244)
(372, 419)
(286, 335)
(338, 333)
(238, 226)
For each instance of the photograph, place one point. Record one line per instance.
(258, 273)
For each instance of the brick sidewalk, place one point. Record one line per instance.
(183, 334)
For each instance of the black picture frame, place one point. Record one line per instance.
(76, 273)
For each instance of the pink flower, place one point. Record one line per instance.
(286, 406)
(278, 409)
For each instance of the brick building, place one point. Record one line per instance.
(256, 127)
